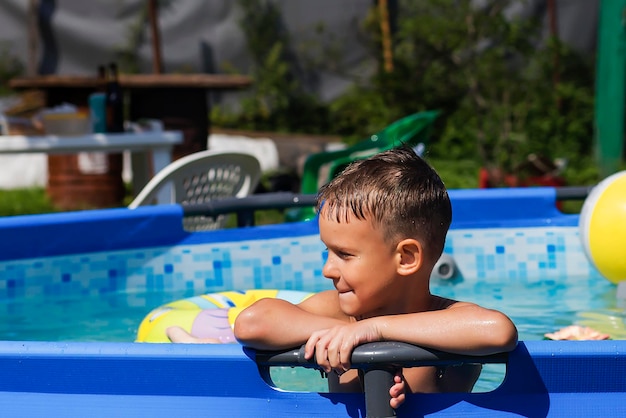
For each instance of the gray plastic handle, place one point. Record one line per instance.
(379, 361)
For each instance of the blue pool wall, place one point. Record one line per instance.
(41, 379)
(119, 249)
(517, 234)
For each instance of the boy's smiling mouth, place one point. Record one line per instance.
(343, 291)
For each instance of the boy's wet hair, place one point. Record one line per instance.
(396, 190)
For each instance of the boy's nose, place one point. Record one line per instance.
(329, 271)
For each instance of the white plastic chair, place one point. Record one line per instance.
(199, 178)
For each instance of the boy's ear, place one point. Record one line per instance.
(410, 255)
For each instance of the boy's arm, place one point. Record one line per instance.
(463, 328)
(276, 324)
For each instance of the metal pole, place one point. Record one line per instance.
(153, 13)
(554, 32)
(33, 37)
(385, 31)
(377, 383)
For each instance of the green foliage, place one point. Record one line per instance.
(358, 113)
(457, 174)
(503, 93)
(25, 202)
(560, 113)
(277, 101)
(502, 97)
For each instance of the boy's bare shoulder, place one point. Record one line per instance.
(324, 303)
(438, 303)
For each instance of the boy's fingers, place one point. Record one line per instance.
(346, 357)
(321, 357)
(309, 350)
(397, 401)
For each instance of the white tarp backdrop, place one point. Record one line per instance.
(200, 36)
(205, 35)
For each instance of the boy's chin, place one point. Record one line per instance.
(349, 304)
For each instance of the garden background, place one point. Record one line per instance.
(511, 77)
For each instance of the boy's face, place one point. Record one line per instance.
(362, 266)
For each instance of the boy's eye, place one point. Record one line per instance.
(342, 254)
(338, 253)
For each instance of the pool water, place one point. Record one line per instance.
(536, 307)
(108, 317)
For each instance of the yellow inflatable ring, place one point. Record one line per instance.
(211, 315)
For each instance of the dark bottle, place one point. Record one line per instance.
(102, 79)
(114, 101)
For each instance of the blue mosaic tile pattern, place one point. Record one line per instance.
(519, 254)
(286, 263)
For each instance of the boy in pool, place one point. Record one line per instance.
(384, 221)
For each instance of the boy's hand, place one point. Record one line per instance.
(397, 391)
(333, 347)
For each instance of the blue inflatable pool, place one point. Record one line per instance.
(509, 233)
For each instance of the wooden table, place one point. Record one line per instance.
(179, 100)
(151, 152)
